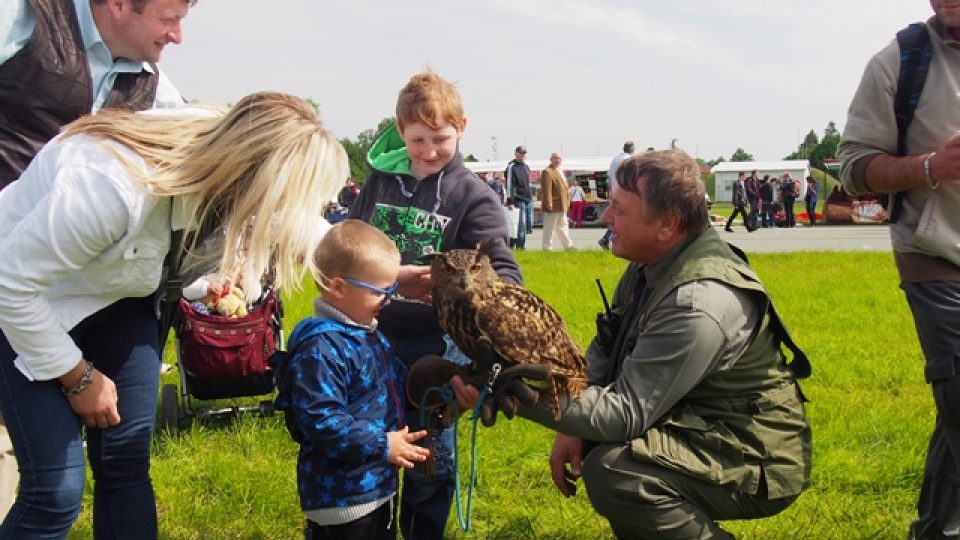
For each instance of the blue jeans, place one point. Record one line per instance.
(425, 499)
(121, 341)
(812, 211)
(526, 222)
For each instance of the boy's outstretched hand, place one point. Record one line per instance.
(415, 282)
(402, 450)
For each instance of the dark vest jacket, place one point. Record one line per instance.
(746, 425)
(47, 85)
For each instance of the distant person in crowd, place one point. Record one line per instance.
(519, 195)
(628, 149)
(577, 203)
(789, 191)
(423, 197)
(341, 395)
(555, 204)
(99, 55)
(348, 195)
(810, 200)
(766, 196)
(925, 175)
(692, 414)
(739, 202)
(86, 229)
(752, 187)
(496, 184)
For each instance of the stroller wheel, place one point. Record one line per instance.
(267, 408)
(169, 415)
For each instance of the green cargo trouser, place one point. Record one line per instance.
(644, 500)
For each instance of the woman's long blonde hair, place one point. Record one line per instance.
(263, 172)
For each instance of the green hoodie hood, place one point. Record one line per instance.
(389, 153)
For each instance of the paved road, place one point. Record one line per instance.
(823, 238)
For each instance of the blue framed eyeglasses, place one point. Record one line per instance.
(387, 293)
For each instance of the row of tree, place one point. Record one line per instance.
(812, 148)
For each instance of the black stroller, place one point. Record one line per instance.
(220, 357)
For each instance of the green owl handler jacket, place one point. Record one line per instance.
(742, 423)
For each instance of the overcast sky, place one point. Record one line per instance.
(573, 76)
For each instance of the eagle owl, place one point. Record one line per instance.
(474, 304)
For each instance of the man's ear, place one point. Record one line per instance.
(119, 7)
(669, 226)
(463, 125)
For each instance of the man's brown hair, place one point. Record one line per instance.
(671, 184)
(138, 5)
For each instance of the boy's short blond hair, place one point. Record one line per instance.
(348, 248)
(427, 98)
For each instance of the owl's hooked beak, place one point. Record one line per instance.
(466, 281)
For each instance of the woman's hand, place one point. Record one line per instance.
(96, 405)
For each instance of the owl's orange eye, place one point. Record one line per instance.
(448, 270)
(474, 269)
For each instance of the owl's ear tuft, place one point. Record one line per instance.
(486, 247)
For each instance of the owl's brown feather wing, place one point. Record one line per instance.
(523, 328)
(472, 304)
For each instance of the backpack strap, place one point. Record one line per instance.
(167, 296)
(799, 366)
(915, 54)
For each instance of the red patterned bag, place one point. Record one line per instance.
(215, 346)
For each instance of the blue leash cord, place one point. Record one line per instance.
(465, 522)
(446, 394)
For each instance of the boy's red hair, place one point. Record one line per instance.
(428, 98)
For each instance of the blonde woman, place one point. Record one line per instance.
(84, 233)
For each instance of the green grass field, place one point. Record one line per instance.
(871, 414)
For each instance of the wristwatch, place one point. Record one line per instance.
(86, 379)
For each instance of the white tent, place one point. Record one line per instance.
(725, 174)
(576, 165)
(579, 167)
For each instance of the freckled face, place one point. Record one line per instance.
(430, 149)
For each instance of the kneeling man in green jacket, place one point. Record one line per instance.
(693, 414)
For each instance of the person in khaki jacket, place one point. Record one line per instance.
(555, 202)
(692, 413)
(924, 230)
